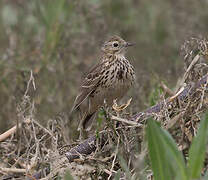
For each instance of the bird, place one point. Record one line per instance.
(110, 79)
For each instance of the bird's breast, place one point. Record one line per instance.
(114, 83)
(119, 73)
(117, 79)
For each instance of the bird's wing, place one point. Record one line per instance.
(89, 84)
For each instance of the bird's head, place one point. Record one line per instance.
(115, 45)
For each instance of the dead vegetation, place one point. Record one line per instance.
(33, 151)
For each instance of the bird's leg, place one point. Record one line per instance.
(118, 109)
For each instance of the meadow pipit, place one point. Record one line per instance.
(110, 79)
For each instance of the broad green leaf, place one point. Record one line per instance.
(157, 152)
(167, 162)
(175, 157)
(198, 149)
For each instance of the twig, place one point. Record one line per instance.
(125, 121)
(196, 58)
(177, 94)
(11, 131)
(167, 89)
(8, 133)
(114, 159)
(172, 122)
(28, 83)
(13, 170)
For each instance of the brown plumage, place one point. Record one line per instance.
(108, 80)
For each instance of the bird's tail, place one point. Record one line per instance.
(87, 121)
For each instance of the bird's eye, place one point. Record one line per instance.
(115, 44)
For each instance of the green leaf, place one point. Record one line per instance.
(175, 157)
(156, 152)
(198, 150)
(167, 162)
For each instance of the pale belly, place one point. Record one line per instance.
(108, 94)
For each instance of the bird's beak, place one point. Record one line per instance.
(129, 44)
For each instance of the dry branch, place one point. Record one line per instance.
(85, 148)
(8, 133)
(89, 145)
(188, 91)
(13, 170)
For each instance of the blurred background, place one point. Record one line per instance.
(60, 40)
